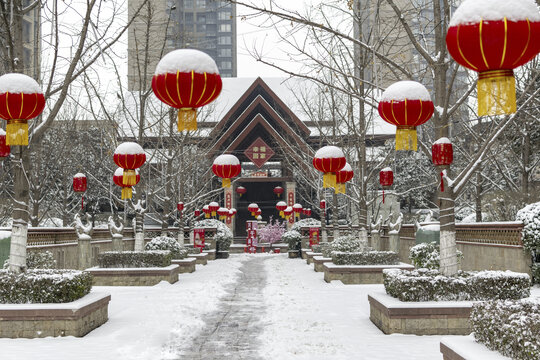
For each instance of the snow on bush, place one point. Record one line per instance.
(365, 258)
(431, 285)
(426, 255)
(224, 236)
(167, 243)
(348, 243)
(40, 260)
(43, 286)
(293, 238)
(272, 232)
(134, 259)
(305, 223)
(530, 235)
(320, 247)
(508, 326)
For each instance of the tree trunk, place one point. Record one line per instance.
(478, 202)
(19, 230)
(448, 249)
(335, 215)
(139, 231)
(526, 158)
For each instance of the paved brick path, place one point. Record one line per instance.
(231, 332)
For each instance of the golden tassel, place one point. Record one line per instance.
(226, 183)
(329, 180)
(214, 213)
(406, 138)
(17, 132)
(187, 119)
(129, 178)
(207, 216)
(127, 193)
(282, 214)
(496, 92)
(340, 189)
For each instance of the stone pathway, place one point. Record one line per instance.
(231, 332)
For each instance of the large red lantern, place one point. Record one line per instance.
(329, 160)
(129, 156)
(493, 40)
(288, 212)
(442, 153)
(386, 179)
(223, 213)
(80, 186)
(278, 190)
(406, 104)
(342, 176)
(226, 167)
(213, 206)
(5, 150)
(206, 210)
(297, 208)
(186, 79)
(322, 204)
(281, 206)
(240, 190)
(118, 176)
(252, 208)
(21, 99)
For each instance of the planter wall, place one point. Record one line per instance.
(185, 265)
(465, 348)
(319, 261)
(310, 255)
(359, 274)
(134, 276)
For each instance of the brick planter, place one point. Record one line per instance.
(359, 274)
(186, 265)
(222, 255)
(304, 253)
(318, 262)
(465, 348)
(201, 259)
(76, 318)
(294, 254)
(211, 254)
(134, 276)
(310, 255)
(419, 318)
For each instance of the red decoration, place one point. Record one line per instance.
(259, 152)
(241, 190)
(226, 167)
(252, 208)
(180, 206)
(297, 208)
(307, 212)
(197, 213)
(322, 204)
(223, 213)
(281, 206)
(129, 156)
(20, 105)
(183, 87)
(213, 206)
(314, 236)
(342, 176)
(328, 160)
(118, 179)
(198, 238)
(442, 153)
(278, 190)
(5, 149)
(493, 49)
(386, 179)
(80, 186)
(288, 212)
(206, 210)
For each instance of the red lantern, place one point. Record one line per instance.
(186, 79)
(322, 204)
(281, 206)
(329, 159)
(297, 208)
(213, 206)
(241, 190)
(288, 212)
(307, 212)
(80, 186)
(180, 206)
(226, 167)
(21, 99)
(252, 208)
(493, 41)
(406, 104)
(278, 190)
(129, 156)
(386, 178)
(5, 150)
(232, 212)
(223, 213)
(127, 192)
(258, 212)
(206, 210)
(197, 213)
(442, 153)
(342, 176)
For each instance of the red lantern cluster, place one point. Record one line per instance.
(240, 190)
(213, 207)
(186, 79)
(118, 179)
(307, 212)
(226, 167)
(129, 156)
(442, 153)
(252, 208)
(342, 176)
(493, 44)
(223, 213)
(281, 206)
(278, 190)
(5, 149)
(386, 179)
(287, 212)
(297, 208)
(329, 160)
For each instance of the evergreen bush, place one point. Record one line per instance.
(365, 258)
(224, 236)
(40, 260)
(530, 235)
(178, 252)
(293, 238)
(135, 259)
(427, 256)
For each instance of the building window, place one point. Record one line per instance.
(225, 27)
(224, 15)
(188, 18)
(188, 4)
(201, 19)
(201, 27)
(201, 3)
(226, 65)
(224, 52)
(27, 31)
(224, 40)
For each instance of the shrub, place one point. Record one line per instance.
(167, 243)
(431, 285)
(320, 247)
(530, 235)
(347, 243)
(40, 260)
(134, 259)
(293, 238)
(509, 327)
(365, 258)
(43, 286)
(272, 232)
(309, 222)
(224, 236)
(426, 255)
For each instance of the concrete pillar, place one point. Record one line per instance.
(117, 242)
(230, 203)
(394, 241)
(84, 251)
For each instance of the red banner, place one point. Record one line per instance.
(290, 198)
(314, 236)
(198, 238)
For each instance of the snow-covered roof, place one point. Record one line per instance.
(474, 11)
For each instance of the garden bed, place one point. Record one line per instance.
(359, 274)
(465, 348)
(147, 276)
(310, 255)
(419, 318)
(185, 265)
(76, 318)
(318, 262)
(201, 259)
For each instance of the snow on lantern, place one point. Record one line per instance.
(21, 99)
(232, 213)
(129, 156)
(297, 208)
(5, 149)
(206, 210)
(197, 213)
(186, 79)
(406, 104)
(288, 212)
(226, 166)
(258, 212)
(281, 206)
(278, 190)
(223, 213)
(442, 153)
(240, 190)
(328, 160)
(80, 186)
(386, 179)
(127, 192)
(342, 176)
(180, 207)
(307, 212)
(493, 37)
(252, 208)
(213, 206)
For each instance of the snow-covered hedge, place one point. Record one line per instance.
(167, 243)
(43, 286)
(365, 258)
(426, 255)
(135, 259)
(320, 247)
(293, 238)
(530, 216)
(40, 260)
(509, 327)
(347, 243)
(309, 222)
(431, 285)
(224, 236)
